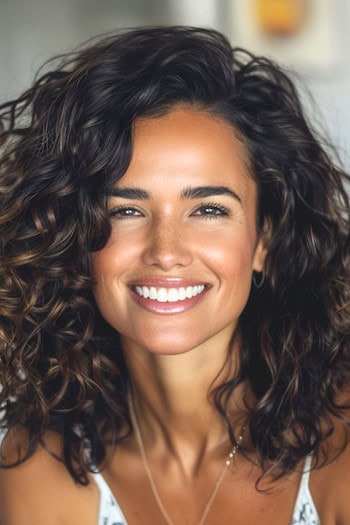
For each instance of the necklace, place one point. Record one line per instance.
(151, 481)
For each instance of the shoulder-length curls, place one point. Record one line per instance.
(65, 142)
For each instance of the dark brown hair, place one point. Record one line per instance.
(65, 142)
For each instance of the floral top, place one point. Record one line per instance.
(305, 512)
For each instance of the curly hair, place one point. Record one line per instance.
(65, 142)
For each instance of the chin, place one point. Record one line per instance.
(165, 346)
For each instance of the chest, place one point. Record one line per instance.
(237, 500)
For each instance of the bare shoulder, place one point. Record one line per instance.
(341, 481)
(41, 491)
(330, 484)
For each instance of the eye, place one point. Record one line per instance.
(125, 212)
(211, 211)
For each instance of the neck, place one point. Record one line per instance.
(173, 405)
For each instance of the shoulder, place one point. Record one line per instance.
(41, 491)
(341, 483)
(330, 484)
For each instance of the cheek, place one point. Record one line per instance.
(233, 255)
(107, 268)
(102, 270)
(105, 294)
(233, 265)
(109, 262)
(99, 265)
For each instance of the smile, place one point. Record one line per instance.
(169, 295)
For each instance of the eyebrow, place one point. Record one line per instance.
(190, 192)
(198, 192)
(130, 193)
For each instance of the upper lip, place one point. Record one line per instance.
(166, 282)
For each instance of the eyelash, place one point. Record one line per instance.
(208, 210)
(121, 212)
(214, 207)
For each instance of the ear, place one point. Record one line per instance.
(262, 247)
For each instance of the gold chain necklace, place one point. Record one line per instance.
(153, 486)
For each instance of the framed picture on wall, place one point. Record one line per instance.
(298, 33)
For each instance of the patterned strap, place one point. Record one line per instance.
(305, 512)
(109, 511)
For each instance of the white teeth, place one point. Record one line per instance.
(169, 295)
(162, 295)
(152, 293)
(173, 295)
(182, 294)
(190, 291)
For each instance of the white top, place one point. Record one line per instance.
(305, 512)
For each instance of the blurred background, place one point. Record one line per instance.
(311, 37)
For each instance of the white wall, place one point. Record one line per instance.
(331, 90)
(33, 30)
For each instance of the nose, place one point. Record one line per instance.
(167, 246)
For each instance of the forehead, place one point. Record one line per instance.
(187, 146)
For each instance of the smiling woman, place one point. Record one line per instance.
(174, 293)
(164, 237)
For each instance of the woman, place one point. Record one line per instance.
(174, 293)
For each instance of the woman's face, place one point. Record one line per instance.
(177, 269)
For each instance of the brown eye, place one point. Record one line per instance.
(211, 211)
(125, 212)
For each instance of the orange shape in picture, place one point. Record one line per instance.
(280, 17)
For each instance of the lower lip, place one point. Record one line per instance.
(169, 308)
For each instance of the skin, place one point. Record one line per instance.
(174, 239)
(176, 353)
(168, 238)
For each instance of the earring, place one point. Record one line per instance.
(258, 282)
